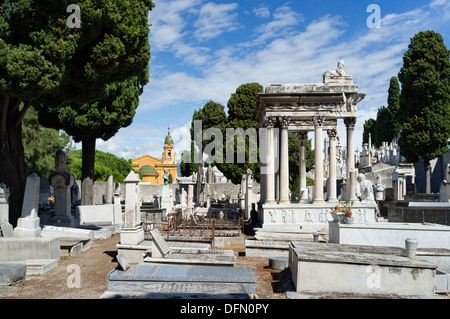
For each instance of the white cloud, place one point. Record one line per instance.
(262, 12)
(282, 50)
(215, 19)
(284, 18)
(168, 22)
(437, 3)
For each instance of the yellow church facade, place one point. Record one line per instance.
(152, 168)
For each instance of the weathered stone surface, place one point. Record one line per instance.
(123, 263)
(198, 281)
(11, 273)
(324, 270)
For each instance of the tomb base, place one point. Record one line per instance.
(166, 281)
(132, 236)
(27, 227)
(321, 269)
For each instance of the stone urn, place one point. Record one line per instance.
(411, 247)
(338, 217)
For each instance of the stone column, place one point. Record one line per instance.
(109, 189)
(270, 176)
(332, 194)
(190, 200)
(284, 162)
(302, 167)
(350, 125)
(318, 160)
(248, 194)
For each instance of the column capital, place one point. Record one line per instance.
(332, 134)
(270, 122)
(303, 135)
(284, 122)
(350, 122)
(318, 121)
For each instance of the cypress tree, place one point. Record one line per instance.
(425, 100)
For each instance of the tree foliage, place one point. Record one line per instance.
(368, 128)
(386, 126)
(425, 98)
(105, 164)
(294, 162)
(36, 51)
(394, 104)
(241, 115)
(188, 163)
(40, 145)
(103, 92)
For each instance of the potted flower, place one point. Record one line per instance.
(51, 200)
(348, 215)
(342, 211)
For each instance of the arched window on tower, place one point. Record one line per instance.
(169, 154)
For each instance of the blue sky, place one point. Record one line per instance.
(203, 50)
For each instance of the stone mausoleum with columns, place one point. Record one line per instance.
(305, 108)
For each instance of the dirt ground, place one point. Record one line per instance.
(100, 258)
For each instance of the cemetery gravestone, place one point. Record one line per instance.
(132, 233)
(190, 199)
(62, 181)
(4, 206)
(166, 201)
(28, 223)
